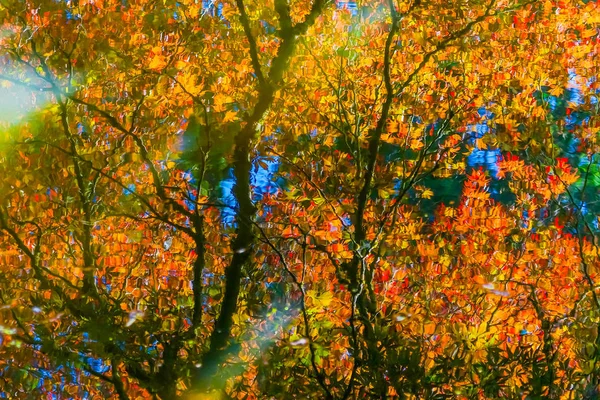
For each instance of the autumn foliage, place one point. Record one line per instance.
(257, 199)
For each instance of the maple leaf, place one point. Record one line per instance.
(157, 63)
(230, 116)
(427, 194)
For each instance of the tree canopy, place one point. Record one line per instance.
(282, 199)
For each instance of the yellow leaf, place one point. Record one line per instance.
(429, 328)
(158, 63)
(194, 10)
(581, 51)
(384, 194)
(323, 300)
(556, 91)
(392, 126)
(230, 116)
(449, 212)
(219, 102)
(416, 144)
(427, 194)
(189, 81)
(588, 33)
(479, 144)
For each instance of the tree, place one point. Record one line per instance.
(279, 200)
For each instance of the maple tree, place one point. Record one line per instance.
(280, 199)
